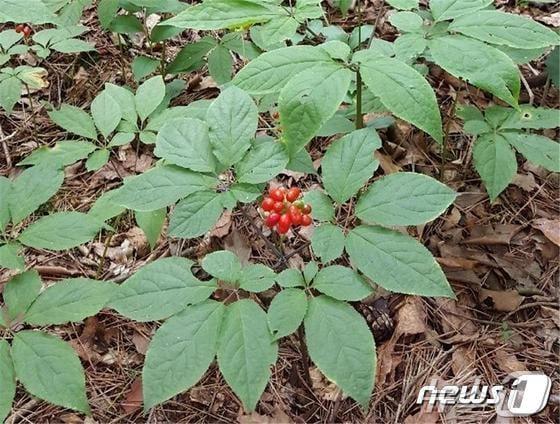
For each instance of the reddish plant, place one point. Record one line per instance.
(283, 209)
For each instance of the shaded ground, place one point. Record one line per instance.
(502, 260)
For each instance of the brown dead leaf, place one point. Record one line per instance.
(411, 317)
(222, 227)
(550, 228)
(508, 362)
(141, 342)
(133, 399)
(237, 243)
(525, 181)
(325, 388)
(278, 417)
(386, 163)
(503, 301)
(454, 262)
(493, 234)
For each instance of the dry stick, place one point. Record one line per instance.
(528, 88)
(4, 139)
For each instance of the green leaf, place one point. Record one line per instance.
(479, 64)
(74, 120)
(220, 64)
(191, 56)
(263, 161)
(278, 29)
(70, 300)
(149, 95)
(443, 10)
(532, 117)
(151, 224)
(309, 100)
(232, 119)
(185, 142)
(106, 113)
(125, 99)
(553, 66)
(50, 369)
(5, 189)
(97, 160)
(256, 278)
(290, 278)
(286, 312)
(342, 283)
(403, 4)
(9, 257)
(522, 56)
(403, 91)
(20, 292)
(409, 46)
(323, 209)
(32, 188)
(181, 351)
(10, 93)
(270, 72)
(195, 215)
(407, 21)
(121, 139)
(505, 29)
(218, 14)
(327, 242)
(245, 193)
(301, 162)
(7, 380)
(63, 153)
(107, 11)
(223, 265)
(246, 351)
(60, 231)
(349, 163)
(143, 66)
(160, 289)
(126, 24)
(73, 45)
(495, 161)
(106, 206)
(33, 11)
(538, 149)
(340, 343)
(310, 271)
(404, 198)
(160, 187)
(396, 261)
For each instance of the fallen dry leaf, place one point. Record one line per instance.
(550, 228)
(508, 362)
(493, 234)
(133, 399)
(278, 417)
(503, 301)
(325, 388)
(222, 227)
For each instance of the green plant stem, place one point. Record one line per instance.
(105, 250)
(359, 114)
(304, 357)
(163, 60)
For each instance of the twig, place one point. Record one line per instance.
(528, 88)
(268, 243)
(5, 146)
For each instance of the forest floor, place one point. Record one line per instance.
(502, 260)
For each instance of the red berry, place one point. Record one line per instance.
(277, 194)
(27, 31)
(295, 215)
(285, 220)
(305, 220)
(306, 209)
(19, 28)
(272, 219)
(278, 207)
(282, 229)
(267, 204)
(293, 194)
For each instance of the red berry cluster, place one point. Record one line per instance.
(24, 29)
(283, 209)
